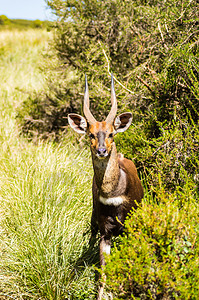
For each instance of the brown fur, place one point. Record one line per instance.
(103, 127)
(120, 179)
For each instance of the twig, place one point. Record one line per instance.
(162, 36)
(161, 32)
(168, 31)
(146, 84)
(108, 67)
(152, 72)
(6, 295)
(162, 146)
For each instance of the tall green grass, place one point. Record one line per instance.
(46, 201)
(45, 192)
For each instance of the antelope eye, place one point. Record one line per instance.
(110, 135)
(91, 136)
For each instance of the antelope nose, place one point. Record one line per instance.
(101, 151)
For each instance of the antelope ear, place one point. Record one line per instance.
(77, 123)
(122, 122)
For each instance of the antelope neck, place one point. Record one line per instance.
(107, 173)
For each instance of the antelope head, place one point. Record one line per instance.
(101, 133)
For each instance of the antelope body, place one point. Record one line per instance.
(116, 187)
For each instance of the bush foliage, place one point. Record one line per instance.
(158, 258)
(150, 46)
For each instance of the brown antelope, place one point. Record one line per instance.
(116, 187)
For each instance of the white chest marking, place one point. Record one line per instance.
(115, 201)
(106, 249)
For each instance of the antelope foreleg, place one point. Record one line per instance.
(105, 247)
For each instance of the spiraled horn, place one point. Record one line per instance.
(87, 112)
(113, 110)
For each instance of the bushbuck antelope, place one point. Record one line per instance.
(116, 187)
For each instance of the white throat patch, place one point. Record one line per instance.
(115, 201)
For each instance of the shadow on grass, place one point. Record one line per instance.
(90, 254)
(89, 259)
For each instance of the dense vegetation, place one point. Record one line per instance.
(150, 46)
(152, 49)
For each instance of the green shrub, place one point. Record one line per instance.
(4, 20)
(157, 258)
(37, 24)
(173, 155)
(42, 114)
(150, 46)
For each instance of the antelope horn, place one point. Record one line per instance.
(87, 112)
(113, 111)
